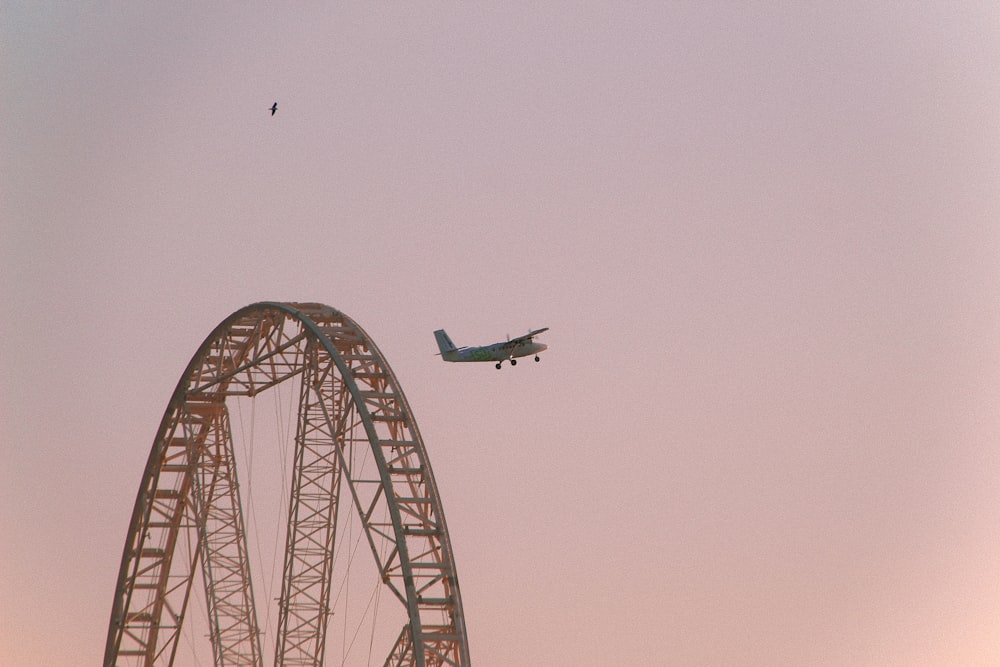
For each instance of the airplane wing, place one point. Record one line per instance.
(529, 335)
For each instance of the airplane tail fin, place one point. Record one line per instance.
(444, 343)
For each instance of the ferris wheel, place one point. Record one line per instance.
(354, 486)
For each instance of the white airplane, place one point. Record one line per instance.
(522, 346)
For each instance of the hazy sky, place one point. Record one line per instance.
(764, 235)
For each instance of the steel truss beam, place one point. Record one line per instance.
(305, 597)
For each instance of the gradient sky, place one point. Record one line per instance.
(764, 235)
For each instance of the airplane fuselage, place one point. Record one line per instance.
(495, 352)
(522, 346)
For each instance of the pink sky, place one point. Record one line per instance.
(765, 238)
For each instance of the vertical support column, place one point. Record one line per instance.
(216, 504)
(305, 597)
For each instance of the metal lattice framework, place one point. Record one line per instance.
(348, 399)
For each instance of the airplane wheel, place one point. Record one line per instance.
(538, 359)
(513, 362)
(498, 365)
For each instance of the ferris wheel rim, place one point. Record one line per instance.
(305, 316)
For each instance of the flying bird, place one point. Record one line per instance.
(274, 107)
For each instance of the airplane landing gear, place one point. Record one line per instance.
(537, 358)
(513, 362)
(498, 365)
